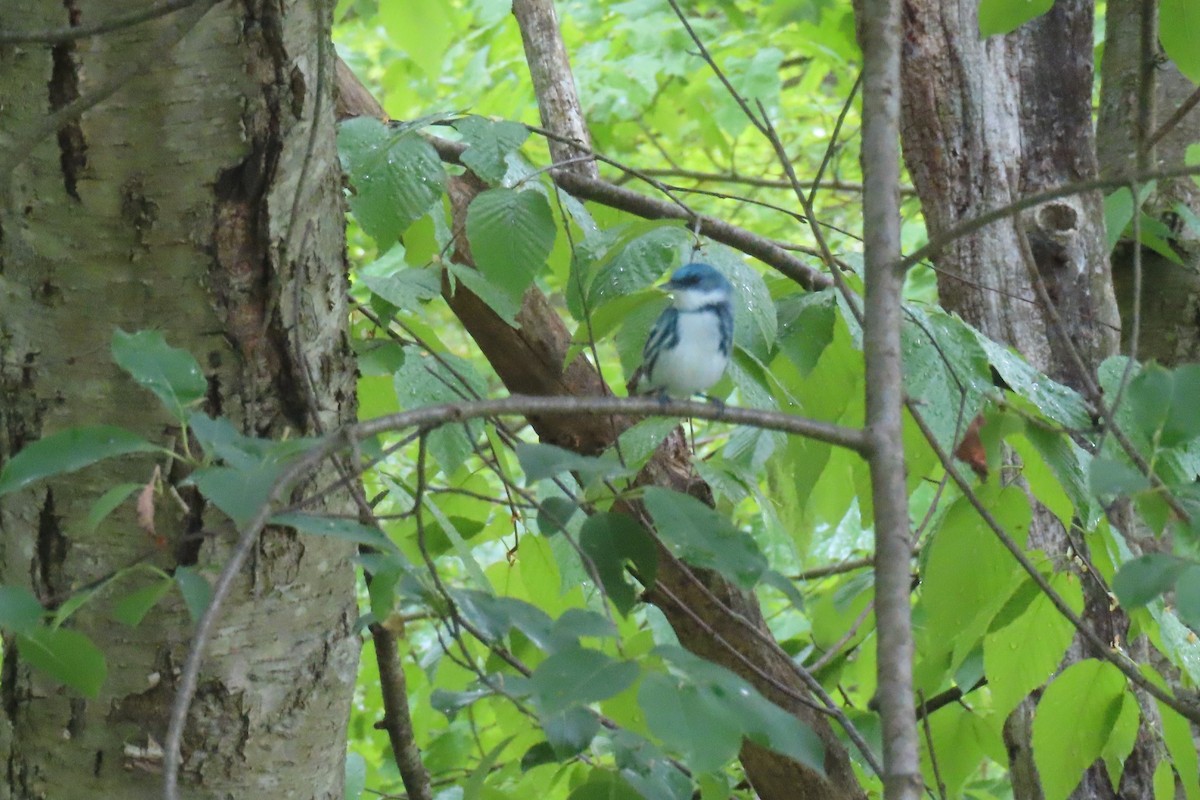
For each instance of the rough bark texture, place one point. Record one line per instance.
(1170, 303)
(167, 207)
(987, 122)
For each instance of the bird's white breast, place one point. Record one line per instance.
(696, 362)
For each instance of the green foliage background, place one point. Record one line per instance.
(612, 706)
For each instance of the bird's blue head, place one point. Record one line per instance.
(695, 285)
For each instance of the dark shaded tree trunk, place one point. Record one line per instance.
(988, 122)
(168, 206)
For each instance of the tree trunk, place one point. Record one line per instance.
(988, 122)
(1170, 295)
(168, 206)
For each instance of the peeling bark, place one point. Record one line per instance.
(167, 206)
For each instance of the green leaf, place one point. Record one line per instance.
(542, 461)
(511, 235)
(65, 655)
(1179, 30)
(499, 299)
(345, 529)
(1107, 478)
(1005, 16)
(172, 374)
(489, 144)
(1146, 577)
(569, 732)
(578, 676)
(108, 502)
(1022, 655)
(554, 513)
(1187, 595)
(423, 381)
(1073, 723)
(196, 591)
(406, 289)
(602, 784)
(806, 327)
(761, 720)
(133, 607)
(1058, 402)
(397, 177)
(239, 493)
(612, 540)
(701, 536)
(643, 254)
(20, 611)
(67, 451)
(689, 721)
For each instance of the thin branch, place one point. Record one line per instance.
(969, 226)
(397, 720)
(1176, 117)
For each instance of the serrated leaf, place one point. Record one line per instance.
(1074, 721)
(611, 541)
(20, 611)
(1144, 578)
(489, 143)
(701, 536)
(132, 608)
(646, 251)
(65, 655)
(397, 177)
(171, 373)
(345, 529)
(196, 591)
(499, 299)
(68, 451)
(1004, 16)
(423, 381)
(806, 327)
(511, 235)
(578, 676)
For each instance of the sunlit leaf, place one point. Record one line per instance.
(511, 234)
(1074, 721)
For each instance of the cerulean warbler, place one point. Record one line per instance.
(688, 347)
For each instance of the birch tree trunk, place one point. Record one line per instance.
(168, 205)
